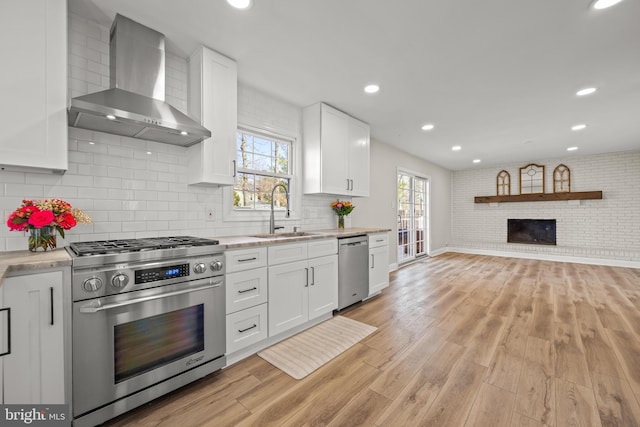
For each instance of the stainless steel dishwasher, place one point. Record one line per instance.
(353, 270)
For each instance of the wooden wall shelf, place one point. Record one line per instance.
(541, 197)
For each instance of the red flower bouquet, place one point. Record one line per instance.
(42, 218)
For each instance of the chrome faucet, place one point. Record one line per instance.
(272, 220)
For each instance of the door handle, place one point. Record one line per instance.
(51, 299)
(313, 276)
(347, 184)
(306, 285)
(94, 306)
(351, 184)
(235, 168)
(8, 310)
(373, 261)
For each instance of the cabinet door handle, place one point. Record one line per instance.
(247, 290)
(247, 259)
(235, 168)
(347, 184)
(306, 285)
(351, 184)
(51, 293)
(313, 276)
(8, 310)
(248, 329)
(373, 261)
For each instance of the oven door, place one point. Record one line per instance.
(125, 343)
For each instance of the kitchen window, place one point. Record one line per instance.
(263, 162)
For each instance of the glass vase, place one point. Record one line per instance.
(340, 221)
(42, 239)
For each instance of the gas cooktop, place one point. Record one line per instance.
(103, 247)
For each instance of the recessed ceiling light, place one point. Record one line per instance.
(586, 91)
(111, 117)
(476, 160)
(371, 88)
(603, 4)
(578, 127)
(456, 148)
(149, 152)
(572, 148)
(428, 126)
(183, 133)
(241, 4)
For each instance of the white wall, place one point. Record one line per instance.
(595, 229)
(380, 210)
(128, 192)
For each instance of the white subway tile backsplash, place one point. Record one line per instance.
(128, 192)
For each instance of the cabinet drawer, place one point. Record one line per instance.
(246, 327)
(318, 248)
(378, 239)
(245, 259)
(246, 289)
(280, 254)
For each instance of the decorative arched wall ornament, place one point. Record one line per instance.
(503, 183)
(562, 179)
(532, 179)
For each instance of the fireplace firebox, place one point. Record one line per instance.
(532, 231)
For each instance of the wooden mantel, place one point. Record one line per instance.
(541, 197)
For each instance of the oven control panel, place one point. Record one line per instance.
(161, 273)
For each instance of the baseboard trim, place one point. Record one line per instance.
(545, 257)
(438, 251)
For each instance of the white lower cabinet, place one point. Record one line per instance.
(303, 290)
(246, 289)
(246, 297)
(378, 262)
(32, 364)
(246, 327)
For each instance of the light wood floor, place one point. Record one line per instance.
(462, 340)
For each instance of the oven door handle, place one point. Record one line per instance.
(96, 308)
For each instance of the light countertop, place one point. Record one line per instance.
(239, 242)
(25, 260)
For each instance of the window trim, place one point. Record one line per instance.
(230, 213)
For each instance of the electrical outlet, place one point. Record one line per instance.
(210, 214)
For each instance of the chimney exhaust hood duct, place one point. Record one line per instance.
(135, 106)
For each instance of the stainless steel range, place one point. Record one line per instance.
(148, 317)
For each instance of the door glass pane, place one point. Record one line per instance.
(412, 220)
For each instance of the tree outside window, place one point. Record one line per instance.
(263, 162)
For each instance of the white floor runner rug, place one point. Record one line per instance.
(302, 354)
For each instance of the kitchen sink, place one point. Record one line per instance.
(284, 235)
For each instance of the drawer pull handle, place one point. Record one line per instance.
(247, 329)
(247, 259)
(380, 240)
(247, 290)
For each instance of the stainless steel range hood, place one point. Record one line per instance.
(135, 106)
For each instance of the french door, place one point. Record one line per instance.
(413, 195)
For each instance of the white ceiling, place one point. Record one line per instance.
(497, 77)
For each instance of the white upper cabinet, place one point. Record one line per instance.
(213, 99)
(336, 152)
(33, 83)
